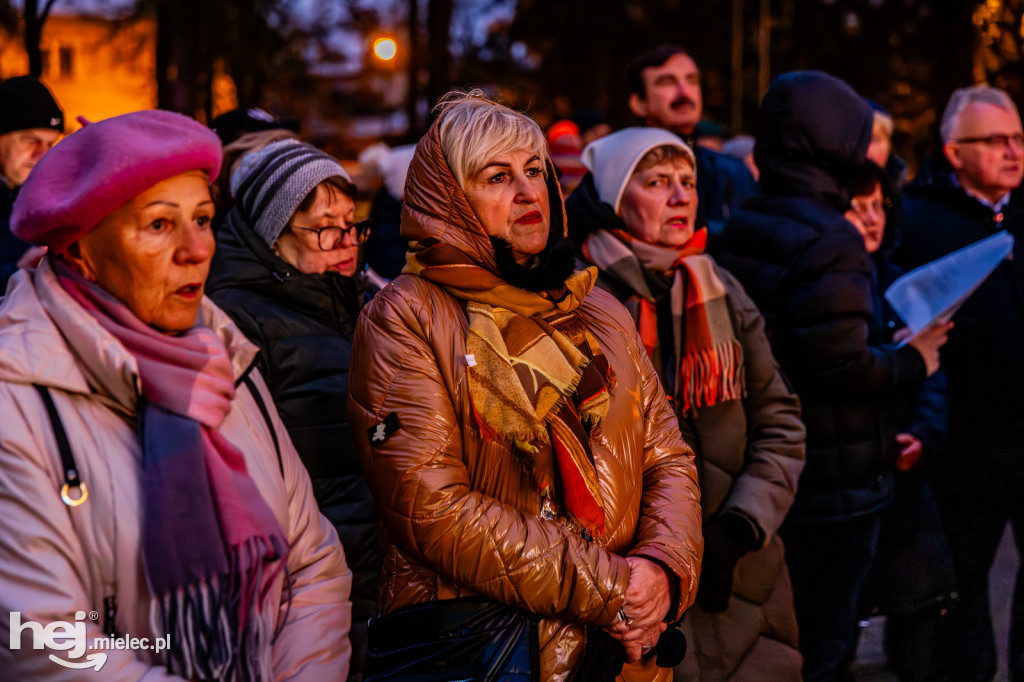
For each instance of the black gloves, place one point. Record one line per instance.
(604, 656)
(671, 647)
(727, 537)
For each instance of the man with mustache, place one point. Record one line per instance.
(968, 190)
(30, 123)
(665, 92)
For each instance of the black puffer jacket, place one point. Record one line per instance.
(806, 268)
(984, 359)
(303, 325)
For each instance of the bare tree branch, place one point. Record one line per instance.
(44, 15)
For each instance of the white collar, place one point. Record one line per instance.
(994, 206)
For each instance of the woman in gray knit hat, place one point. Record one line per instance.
(287, 271)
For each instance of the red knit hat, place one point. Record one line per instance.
(96, 170)
(565, 145)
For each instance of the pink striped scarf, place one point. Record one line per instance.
(212, 547)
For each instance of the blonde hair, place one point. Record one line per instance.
(475, 129)
(885, 123)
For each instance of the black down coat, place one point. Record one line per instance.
(806, 268)
(303, 325)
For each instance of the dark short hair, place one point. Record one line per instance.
(867, 178)
(645, 60)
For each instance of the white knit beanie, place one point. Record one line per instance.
(612, 159)
(269, 184)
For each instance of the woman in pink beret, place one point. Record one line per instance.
(155, 520)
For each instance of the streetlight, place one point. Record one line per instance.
(385, 48)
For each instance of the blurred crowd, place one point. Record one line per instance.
(565, 404)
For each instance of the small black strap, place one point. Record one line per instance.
(110, 617)
(251, 385)
(71, 478)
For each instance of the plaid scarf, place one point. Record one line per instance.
(211, 546)
(708, 359)
(537, 377)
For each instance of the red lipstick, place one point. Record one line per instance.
(530, 218)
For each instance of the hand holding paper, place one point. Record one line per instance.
(933, 292)
(929, 341)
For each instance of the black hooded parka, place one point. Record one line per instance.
(807, 269)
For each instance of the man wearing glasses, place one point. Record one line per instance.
(966, 193)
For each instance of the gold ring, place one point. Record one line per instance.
(74, 502)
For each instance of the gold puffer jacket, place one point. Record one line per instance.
(460, 515)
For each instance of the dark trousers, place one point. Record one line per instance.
(977, 496)
(828, 563)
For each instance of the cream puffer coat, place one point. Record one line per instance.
(56, 560)
(461, 515)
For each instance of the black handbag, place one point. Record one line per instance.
(470, 638)
(604, 656)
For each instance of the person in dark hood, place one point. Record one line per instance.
(807, 269)
(967, 191)
(286, 271)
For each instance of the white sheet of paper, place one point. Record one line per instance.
(932, 293)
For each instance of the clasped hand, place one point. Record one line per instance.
(648, 598)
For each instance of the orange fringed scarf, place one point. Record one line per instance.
(540, 380)
(709, 358)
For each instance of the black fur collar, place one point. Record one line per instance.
(546, 271)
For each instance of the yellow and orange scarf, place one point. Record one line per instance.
(537, 378)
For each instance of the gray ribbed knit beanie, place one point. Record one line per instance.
(269, 184)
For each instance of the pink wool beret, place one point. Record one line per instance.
(96, 170)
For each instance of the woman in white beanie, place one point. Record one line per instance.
(286, 272)
(634, 218)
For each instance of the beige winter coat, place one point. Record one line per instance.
(56, 560)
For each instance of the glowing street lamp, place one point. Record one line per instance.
(385, 49)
